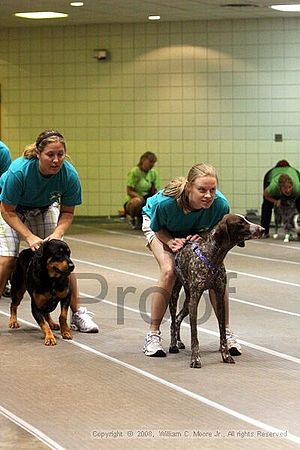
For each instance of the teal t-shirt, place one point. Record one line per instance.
(22, 184)
(165, 213)
(273, 188)
(5, 159)
(142, 182)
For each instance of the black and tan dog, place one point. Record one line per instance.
(200, 266)
(45, 275)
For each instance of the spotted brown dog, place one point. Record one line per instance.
(199, 265)
(45, 274)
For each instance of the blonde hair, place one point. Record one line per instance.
(177, 188)
(43, 139)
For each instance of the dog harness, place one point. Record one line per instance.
(203, 258)
(200, 255)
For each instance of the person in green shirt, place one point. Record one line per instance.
(273, 193)
(285, 207)
(142, 183)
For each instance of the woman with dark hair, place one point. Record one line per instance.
(186, 207)
(142, 182)
(39, 193)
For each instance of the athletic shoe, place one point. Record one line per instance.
(82, 321)
(286, 238)
(152, 346)
(275, 236)
(233, 346)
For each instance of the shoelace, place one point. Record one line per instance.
(153, 337)
(85, 316)
(230, 337)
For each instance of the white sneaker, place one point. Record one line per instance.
(275, 236)
(152, 346)
(286, 238)
(82, 321)
(233, 346)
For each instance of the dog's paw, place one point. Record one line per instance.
(67, 335)
(13, 324)
(195, 363)
(50, 340)
(53, 325)
(228, 359)
(174, 349)
(180, 345)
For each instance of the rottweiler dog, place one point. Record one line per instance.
(45, 274)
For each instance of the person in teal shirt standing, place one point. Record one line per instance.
(5, 158)
(39, 193)
(186, 207)
(142, 182)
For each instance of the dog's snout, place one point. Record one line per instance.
(71, 266)
(256, 230)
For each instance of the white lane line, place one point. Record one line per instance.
(260, 348)
(292, 359)
(104, 230)
(218, 406)
(273, 280)
(286, 246)
(147, 254)
(264, 258)
(240, 416)
(30, 429)
(110, 247)
(269, 308)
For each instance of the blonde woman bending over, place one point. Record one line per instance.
(186, 207)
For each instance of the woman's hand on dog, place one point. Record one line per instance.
(34, 242)
(176, 244)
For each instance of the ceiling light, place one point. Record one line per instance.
(287, 8)
(76, 3)
(154, 17)
(41, 15)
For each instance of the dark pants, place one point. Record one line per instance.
(266, 213)
(266, 208)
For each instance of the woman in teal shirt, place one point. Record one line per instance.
(186, 207)
(31, 190)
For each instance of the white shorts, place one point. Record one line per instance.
(40, 223)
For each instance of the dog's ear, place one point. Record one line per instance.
(40, 251)
(223, 230)
(37, 261)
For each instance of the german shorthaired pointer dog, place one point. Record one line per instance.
(199, 265)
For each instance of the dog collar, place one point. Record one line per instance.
(203, 258)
